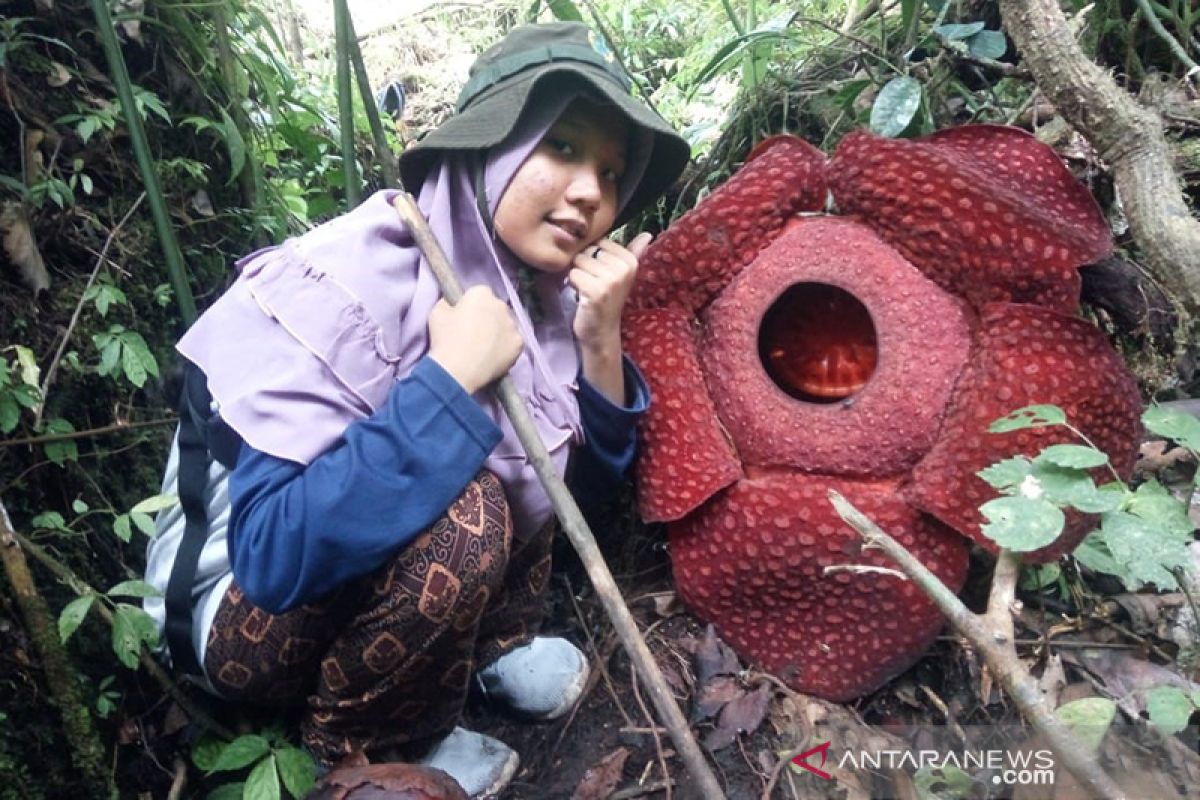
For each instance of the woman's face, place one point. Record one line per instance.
(564, 196)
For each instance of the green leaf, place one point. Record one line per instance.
(564, 10)
(1153, 503)
(1089, 719)
(1039, 576)
(61, 451)
(1022, 524)
(1007, 473)
(50, 521)
(228, 791)
(846, 96)
(122, 529)
(988, 44)
(959, 31)
(908, 10)
(78, 506)
(1073, 487)
(263, 783)
(132, 627)
(1181, 428)
(936, 783)
(206, 751)
(1029, 417)
(156, 503)
(1169, 708)
(1075, 456)
(144, 523)
(110, 356)
(134, 589)
(132, 366)
(1144, 552)
(1093, 553)
(10, 412)
(72, 616)
(895, 106)
(297, 769)
(236, 145)
(241, 752)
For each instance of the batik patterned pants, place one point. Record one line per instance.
(386, 660)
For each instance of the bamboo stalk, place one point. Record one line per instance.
(573, 523)
(391, 177)
(61, 677)
(341, 17)
(141, 151)
(251, 174)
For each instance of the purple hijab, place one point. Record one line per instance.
(314, 332)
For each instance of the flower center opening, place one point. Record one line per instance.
(817, 342)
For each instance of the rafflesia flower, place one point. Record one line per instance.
(792, 352)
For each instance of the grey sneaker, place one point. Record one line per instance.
(543, 679)
(481, 765)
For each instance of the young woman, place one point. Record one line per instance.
(382, 540)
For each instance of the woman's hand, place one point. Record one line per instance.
(603, 275)
(475, 341)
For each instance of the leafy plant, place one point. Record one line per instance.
(131, 626)
(124, 352)
(1170, 708)
(274, 764)
(1144, 532)
(18, 389)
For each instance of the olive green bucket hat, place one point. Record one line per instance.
(530, 60)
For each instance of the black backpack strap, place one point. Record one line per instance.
(192, 480)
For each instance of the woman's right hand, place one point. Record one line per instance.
(475, 341)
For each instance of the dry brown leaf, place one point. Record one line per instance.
(601, 779)
(713, 696)
(1126, 678)
(714, 657)
(741, 715)
(21, 247)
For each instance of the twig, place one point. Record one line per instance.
(992, 636)
(658, 748)
(53, 368)
(116, 427)
(178, 780)
(148, 661)
(643, 790)
(864, 569)
(61, 676)
(573, 524)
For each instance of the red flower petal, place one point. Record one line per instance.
(987, 211)
(685, 456)
(693, 259)
(752, 562)
(760, 323)
(1027, 355)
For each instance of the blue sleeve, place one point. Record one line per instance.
(296, 532)
(610, 438)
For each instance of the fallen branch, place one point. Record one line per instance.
(145, 657)
(61, 678)
(1127, 136)
(992, 636)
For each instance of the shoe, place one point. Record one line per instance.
(543, 679)
(481, 765)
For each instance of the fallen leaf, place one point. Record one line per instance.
(667, 605)
(714, 657)
(202, 203)
(21, 247)
(713, 696)
(741, 715)
(1126, 679)
(601, 779)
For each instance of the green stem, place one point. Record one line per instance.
(341, 16)
(141, 151)
(733, 17)
(1156, 25)
(390, 175)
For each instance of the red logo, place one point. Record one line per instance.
(801, 760)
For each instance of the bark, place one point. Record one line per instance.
(1128, 137)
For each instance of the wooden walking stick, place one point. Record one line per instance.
(573, 523)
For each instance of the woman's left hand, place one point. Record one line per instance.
(603, 275)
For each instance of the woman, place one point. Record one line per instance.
(382, 538)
